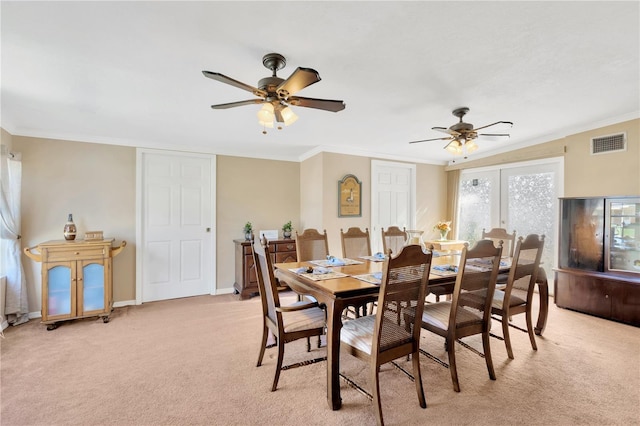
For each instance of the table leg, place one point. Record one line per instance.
(334, 324)
(543, 290)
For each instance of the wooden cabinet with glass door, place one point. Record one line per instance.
(77, 280)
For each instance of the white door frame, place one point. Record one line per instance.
(139, 225)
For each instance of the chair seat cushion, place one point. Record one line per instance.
(359, 334)
(498, 298)
(306, 319)
(437, 315)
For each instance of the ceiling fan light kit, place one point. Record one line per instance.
(462, 135)
(276, 94)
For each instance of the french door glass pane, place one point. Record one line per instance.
(475, 206)
(531, 209)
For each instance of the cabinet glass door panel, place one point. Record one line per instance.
(59, 289)
(582, 238)
(93, 287)
(623, 226)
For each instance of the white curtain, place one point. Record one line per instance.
(16, 303)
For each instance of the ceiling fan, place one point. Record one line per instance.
(277, 94)
(462, 135)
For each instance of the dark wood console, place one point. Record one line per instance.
(246, 284)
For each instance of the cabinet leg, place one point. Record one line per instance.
(52, 326)
(105, 319)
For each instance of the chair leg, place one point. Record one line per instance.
(308, 344)
(376, 394)
(506, 335)
(487, 354)
(263, 345)
(418, 378)
(278, 364)
(532, 337)
(451, 350)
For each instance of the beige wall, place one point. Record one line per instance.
(94, 182)
(616, 173)
(329, 168)
(263, 192)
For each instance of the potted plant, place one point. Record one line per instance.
(248, 231)
(286, 230)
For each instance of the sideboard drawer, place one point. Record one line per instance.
(284, 246)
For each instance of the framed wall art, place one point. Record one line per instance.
(349, 197)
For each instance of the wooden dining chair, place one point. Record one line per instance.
(384, 337)
(311, 245)
(500, 234)
(355, 243)
(525, 266)
(302, 319)
(393, 239)
(462, 317)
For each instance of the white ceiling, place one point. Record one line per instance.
(129, 73)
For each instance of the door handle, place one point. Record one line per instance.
(208, 229)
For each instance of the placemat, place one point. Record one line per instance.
(319, 277)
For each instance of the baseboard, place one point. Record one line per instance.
(224, 291)
(122, 303)
(4, 325)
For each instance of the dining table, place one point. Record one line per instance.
(351, 285)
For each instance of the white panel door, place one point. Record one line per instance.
(392, 198)
(176, 215)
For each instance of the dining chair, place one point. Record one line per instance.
(393, 239)
(457, 318)
(302, 319)
(496, 235)
(382, 338)
(355, 243)
(525, 266)
(311, 245)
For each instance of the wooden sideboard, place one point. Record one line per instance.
(246, 283)
(77, 280)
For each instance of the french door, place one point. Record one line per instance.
(521, 197)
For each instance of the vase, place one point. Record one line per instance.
(248, 236)
(286, 234)
(70, 229)
(443, 235)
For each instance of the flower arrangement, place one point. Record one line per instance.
(443, 226)
(287, 227)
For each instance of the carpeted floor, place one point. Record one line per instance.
(192, 362)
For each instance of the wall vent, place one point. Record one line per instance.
(609, 143)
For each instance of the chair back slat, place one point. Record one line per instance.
(355, 243)
(393, 239)
(497, 234)
(477, 273)
(401, 300)
(311, 245)
(267, 285)
(525, 263)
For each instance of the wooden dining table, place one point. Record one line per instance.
(335, 294)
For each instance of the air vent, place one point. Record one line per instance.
(609, 143)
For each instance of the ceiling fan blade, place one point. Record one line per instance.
(436, 139)
(495, 134)
(239, 103)
(509, 123)
(446, 130)
(235, 83)
(298, 80)
(324, 104)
